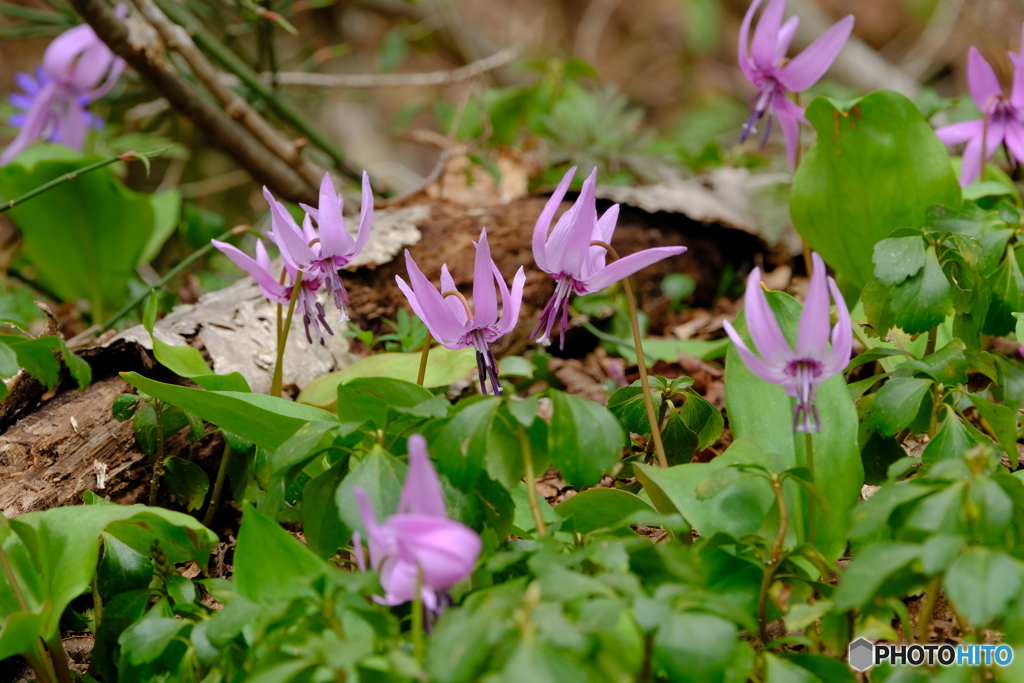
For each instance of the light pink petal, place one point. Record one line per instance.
(485, 296)
(995, 135)
(1017, 92)
(806, 68)
(766, 35)
(443, 549)
(956, 133)
(540, 230)
(287, 234)
(365, 217)
(628, 265)
(764, 328)
(842, 335)
(379, 538)
(603, 231)
(511, 303)
(769, 373)
(421, 493)
(357, 551)
(36, 124)
(786, 34)
(438, 317)
(790, 116)
(272, 289)
(94, 62)
(743, 57)
(334, 238)
(570, 240)
(399, 580)
(117, 67)
(970, 167)
(981, 79)
(815, 321)
(61, 54)
(454, 302)
(1015, 140)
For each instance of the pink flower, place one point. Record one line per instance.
(767, 67)
(418, 545)
(1001, 122)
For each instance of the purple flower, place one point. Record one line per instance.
(800, 371)
(318, 254)
(449, 317)
(1002, 120)
(78, 68)
(418, 545)
(569, 256)
(774, 76)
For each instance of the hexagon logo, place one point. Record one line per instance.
(861, 654)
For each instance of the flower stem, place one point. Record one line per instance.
(277, 383)
(417, 618)
(641, 362)
(158, 466)
(423, 359)
(812, 522)
(924, 619)
(933, 337)
(531, 481)
(59, 657)
(218, 485)
(773, 560)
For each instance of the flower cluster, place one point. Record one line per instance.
(765, 65)
(1002, 118)
(312, 256)
(418, 546)
(77, 69)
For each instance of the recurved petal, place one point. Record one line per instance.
(570, 241)
(790, 116)
(34, 127)
(540, 230)
(511, 303)
(381, 543)
(743, 57)
(765, 371)
(287, 235)
(786, 34)
(1015, 140)
(970, 167)
(272, 289)
(816, 320)
(806, 68)
(598, 256)
(421, 494)
(365, 217)
(443, 549)
(334, 238)
(434, 311)
(61, 54)
(764, 328)
(454, 302)
(357, 551)
(956, 133)
(628, 265)
(766, 35)
(842, 335)
(1017, 92)
(982, 81)
(485, 296)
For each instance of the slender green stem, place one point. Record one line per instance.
(417, 618)
(812, 522)
(185, 263)
(423, 359)
(924, 619)
(97, 602)
(218, 485)
(531, 481)
(773, 560)
(40, 664)
(67, 177)
(641, 361)
(933, 337)
(233, 63)
(277, 383)
(158, 466)
(59, 657)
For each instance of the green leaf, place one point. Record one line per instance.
(952, 440)
(145, 640)
(679, 440)
(703, 419)
(368, 399)
(923, 301)
(898, 402)
(187, 482)
(898, 258)
(696, 647)
(982, 583)
(122, 569)
(763, 413)
(779, 670)
(380, 475)
(100, 239)
(186, 361)
(321, 518)
(461, 446)
(949, 365)
(584, 439)
(1003, 422)
(166, 211)
(36, 357)
(630, 408)
(264, 420)
(870, 570)
(1007, 287)
(595, 509)
(444, 367)
(876, 165)
(270, 564)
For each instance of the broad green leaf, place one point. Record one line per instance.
(321, 520)
(186, 361)
(703, 419)
(779, 670)
(461, 446)
(898, 402)
(444, 367)
(1003, 422)
(368, 399)
(36, 357)
(380, 475)
(166, 211)
(264, 420)
(1007, 288)
(982, 583)
(187, 482)
(679, 440)
(877, 165)
(696, 647)
(630, 408)
(146, 639)
(825, 668)
(898, 258)
(872, 516)
(923, 301)
(948, 365)
(595, 509)
(870, 569)
(122, 569)
(100, 226)
(763, 413)
(584, 439)
(270, 564)
(951, 441)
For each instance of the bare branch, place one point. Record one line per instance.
(237, 108)
(463, 73)
(139, 45)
